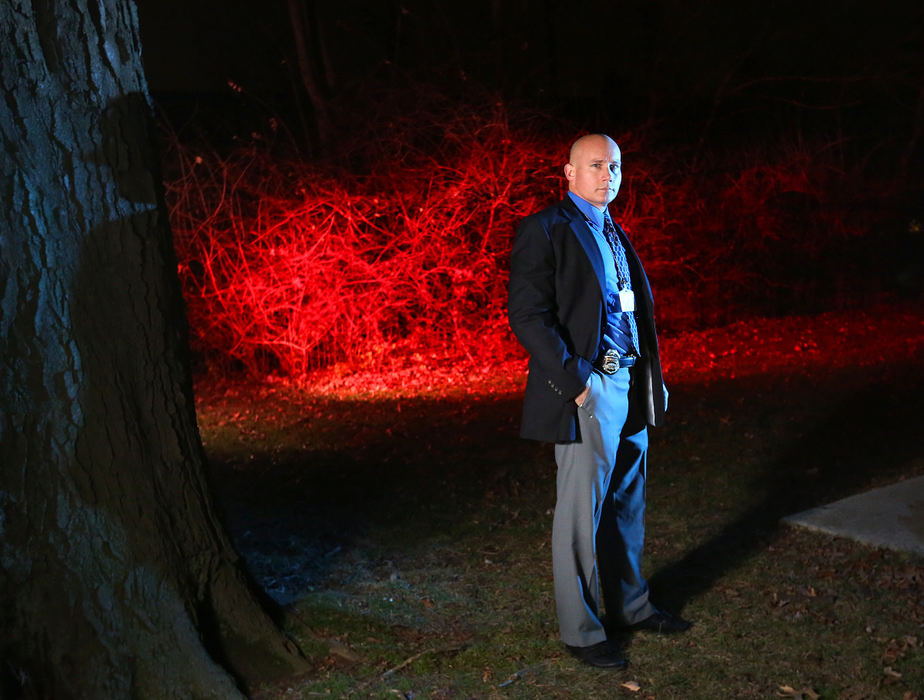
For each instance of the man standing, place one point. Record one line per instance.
(580, 303)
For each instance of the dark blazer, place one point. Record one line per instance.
(556, 310)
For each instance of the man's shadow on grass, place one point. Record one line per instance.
(869, 437)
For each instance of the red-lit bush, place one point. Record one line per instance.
(289, 266)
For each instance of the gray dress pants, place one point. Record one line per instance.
(598, 530)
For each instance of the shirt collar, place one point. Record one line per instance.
(593, 215)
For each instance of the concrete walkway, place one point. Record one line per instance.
(890, 517)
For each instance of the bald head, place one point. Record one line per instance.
(594, 169)
(590, 141)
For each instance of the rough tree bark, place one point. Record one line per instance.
(116, 578)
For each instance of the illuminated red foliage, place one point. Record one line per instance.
(290, 266)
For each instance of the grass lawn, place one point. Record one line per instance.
(406, 530)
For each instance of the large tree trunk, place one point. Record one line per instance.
(116, 579)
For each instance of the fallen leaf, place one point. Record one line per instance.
(787, 691)
(892, 673)
(632, 685)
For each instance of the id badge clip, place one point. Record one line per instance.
(626, 300)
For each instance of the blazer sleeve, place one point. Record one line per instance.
(533, 311)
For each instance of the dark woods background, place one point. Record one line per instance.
(348, 175)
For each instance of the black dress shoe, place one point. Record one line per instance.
(602, 655)
(662, 623)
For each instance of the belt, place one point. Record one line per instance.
(611, 361)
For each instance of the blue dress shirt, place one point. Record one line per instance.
(617, 334)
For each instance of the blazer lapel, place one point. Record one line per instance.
(586, 238)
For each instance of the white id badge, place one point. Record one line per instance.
(626, 300)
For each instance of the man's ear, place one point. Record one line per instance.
(569, 172)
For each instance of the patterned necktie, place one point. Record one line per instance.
(622, 270)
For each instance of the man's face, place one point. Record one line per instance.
(595, 170)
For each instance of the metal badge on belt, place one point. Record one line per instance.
(610, 362)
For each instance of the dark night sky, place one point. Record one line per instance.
(751, 65)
